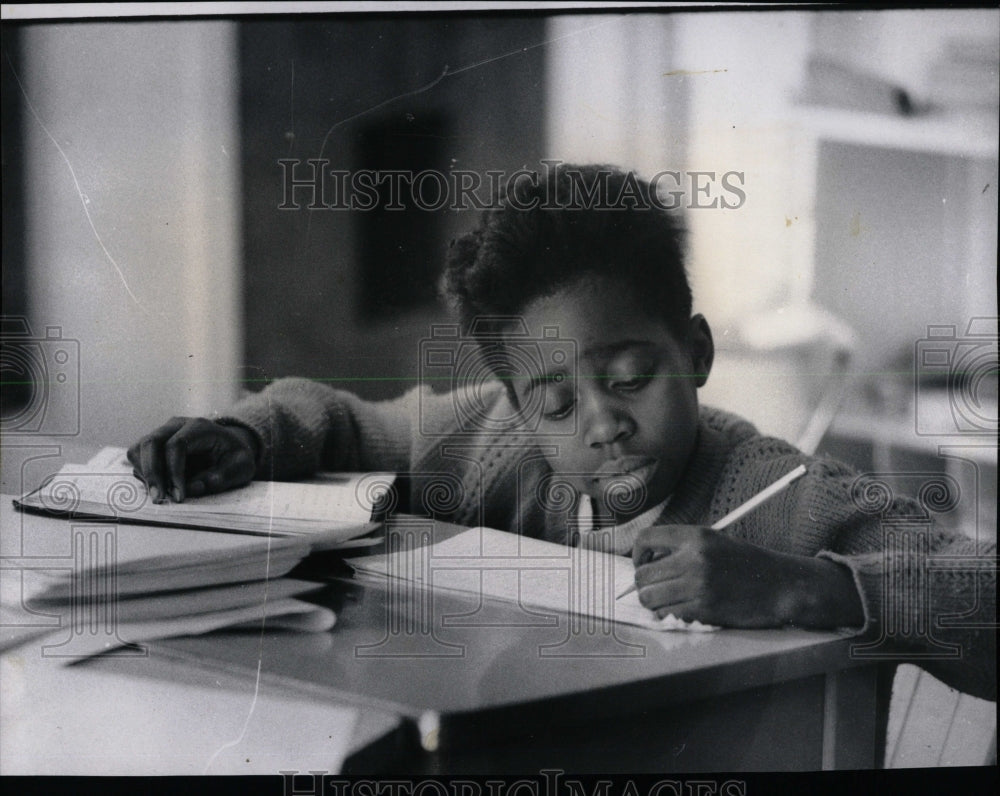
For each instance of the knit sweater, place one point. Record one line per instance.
(929, 597)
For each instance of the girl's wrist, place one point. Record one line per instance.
(249, 437)
(819, 594)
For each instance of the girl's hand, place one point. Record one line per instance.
(694, 572)
(193, 456)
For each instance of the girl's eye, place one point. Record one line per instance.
(633, 384)
(560, 412)
(629, 374)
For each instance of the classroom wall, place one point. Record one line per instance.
(747, 259)
(416, 92)
(616, 92)
(908, 235)
(131, 148)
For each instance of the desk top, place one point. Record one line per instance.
(482, 667)
(148, 716)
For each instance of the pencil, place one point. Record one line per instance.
(764, 495)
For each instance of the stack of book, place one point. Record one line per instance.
(124, 570)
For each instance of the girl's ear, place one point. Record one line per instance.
(702, 348)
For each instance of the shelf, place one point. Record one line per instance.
(897, 429)
(973, 136)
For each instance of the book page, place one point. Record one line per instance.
(105, 486)
(48, 556)
(284, 613)
(100, 583)
(531, 572)
(178, 602)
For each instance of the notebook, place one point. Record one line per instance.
(531, 572)
(146, 575)
(333, 510)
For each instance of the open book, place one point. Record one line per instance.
(531, 572)
(333, 509)
(81, 588)
(102, 585)
(74, 629)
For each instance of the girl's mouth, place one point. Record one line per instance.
(639, 468)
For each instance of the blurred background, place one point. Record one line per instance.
(159, 257)
(154, 263)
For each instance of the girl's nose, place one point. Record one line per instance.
(606, 424)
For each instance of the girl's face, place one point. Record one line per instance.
(619, 423)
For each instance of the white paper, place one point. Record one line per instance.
(531, 572)
(335, 506)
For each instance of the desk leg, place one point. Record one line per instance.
(851, 723)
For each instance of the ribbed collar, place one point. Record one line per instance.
(622, 537)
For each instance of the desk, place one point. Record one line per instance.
(492, 687)
(498, 689)
(149, 715)
(502, 690)
(145, 714)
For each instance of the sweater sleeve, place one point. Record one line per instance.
(929, 595)
(303, 426)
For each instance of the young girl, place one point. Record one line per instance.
(587, 430)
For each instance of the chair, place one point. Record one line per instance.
(786, 370)
(933, 725)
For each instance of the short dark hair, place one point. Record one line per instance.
(544, 234)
